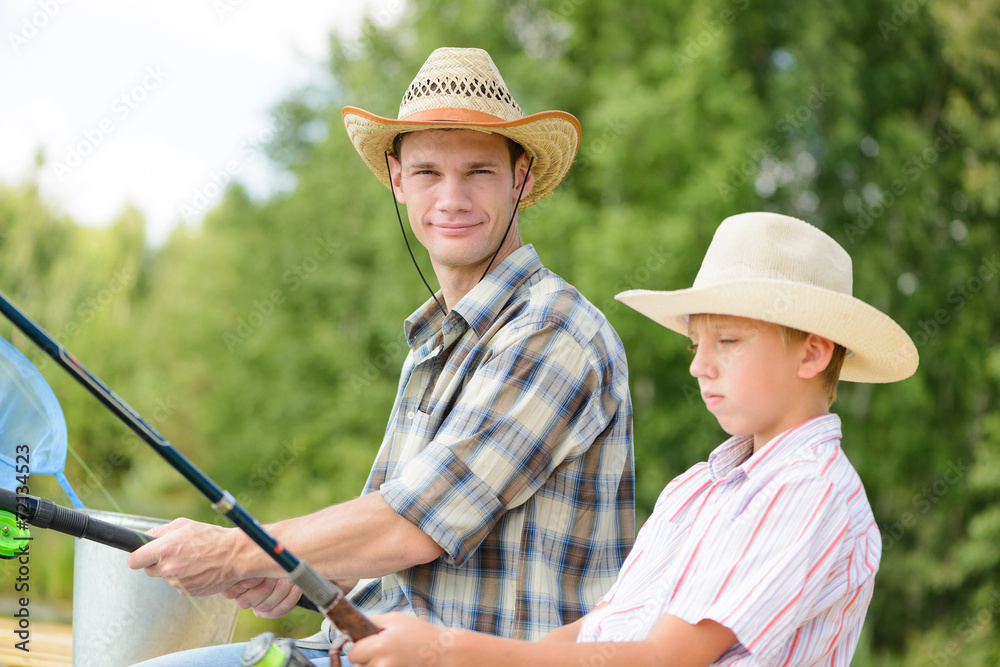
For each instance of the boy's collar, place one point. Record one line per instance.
(736, 454)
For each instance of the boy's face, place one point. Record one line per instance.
(748, 379)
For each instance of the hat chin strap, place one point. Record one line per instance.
(402, 229)
(513, 214)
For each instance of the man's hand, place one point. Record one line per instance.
(196, 558)
(267, 596)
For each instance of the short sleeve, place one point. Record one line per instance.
(768, 566)
(533, 405)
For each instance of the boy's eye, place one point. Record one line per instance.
(693, 347)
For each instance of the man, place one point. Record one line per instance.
(501, 499)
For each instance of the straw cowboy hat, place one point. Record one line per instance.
(782, 270)
(462, 88)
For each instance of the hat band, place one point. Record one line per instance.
(452, 115)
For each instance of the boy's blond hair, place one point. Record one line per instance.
(830, 376)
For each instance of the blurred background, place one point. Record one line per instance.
(253, 312)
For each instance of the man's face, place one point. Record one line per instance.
(459, 193)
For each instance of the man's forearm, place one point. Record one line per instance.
(354, 540)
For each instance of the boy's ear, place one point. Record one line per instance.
(816, 354)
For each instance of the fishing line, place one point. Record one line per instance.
(531, 159)
(325, 594)
(402, 229)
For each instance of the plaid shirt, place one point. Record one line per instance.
(510, 444)
(780, 547)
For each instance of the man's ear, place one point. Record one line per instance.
(816, 354)
(396, 176)
(521, 172)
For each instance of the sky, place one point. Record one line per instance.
(156, 103)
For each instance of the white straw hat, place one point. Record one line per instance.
(782, 270)
(462, 89)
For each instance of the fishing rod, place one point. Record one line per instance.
(46, 514)
(327, 597)
(42, 513)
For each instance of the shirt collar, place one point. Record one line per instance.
(481, 306)
(736, 455)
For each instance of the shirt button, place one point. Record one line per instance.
(411, 414)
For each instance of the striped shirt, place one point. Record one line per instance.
(779, 546)
(510, 444)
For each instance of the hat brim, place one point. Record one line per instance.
(878, 348)
(550, 137)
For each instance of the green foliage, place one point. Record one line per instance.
(266, 343)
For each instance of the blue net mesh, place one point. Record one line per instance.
(32, 425)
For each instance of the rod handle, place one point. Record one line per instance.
(330, 600)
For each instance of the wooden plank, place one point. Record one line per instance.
(50, 644)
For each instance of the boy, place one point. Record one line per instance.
(766, 553)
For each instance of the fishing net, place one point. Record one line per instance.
(33, 435)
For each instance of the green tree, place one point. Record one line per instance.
(267, 342)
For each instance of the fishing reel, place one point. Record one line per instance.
(14, 536)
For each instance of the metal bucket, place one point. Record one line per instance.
(123, 616)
